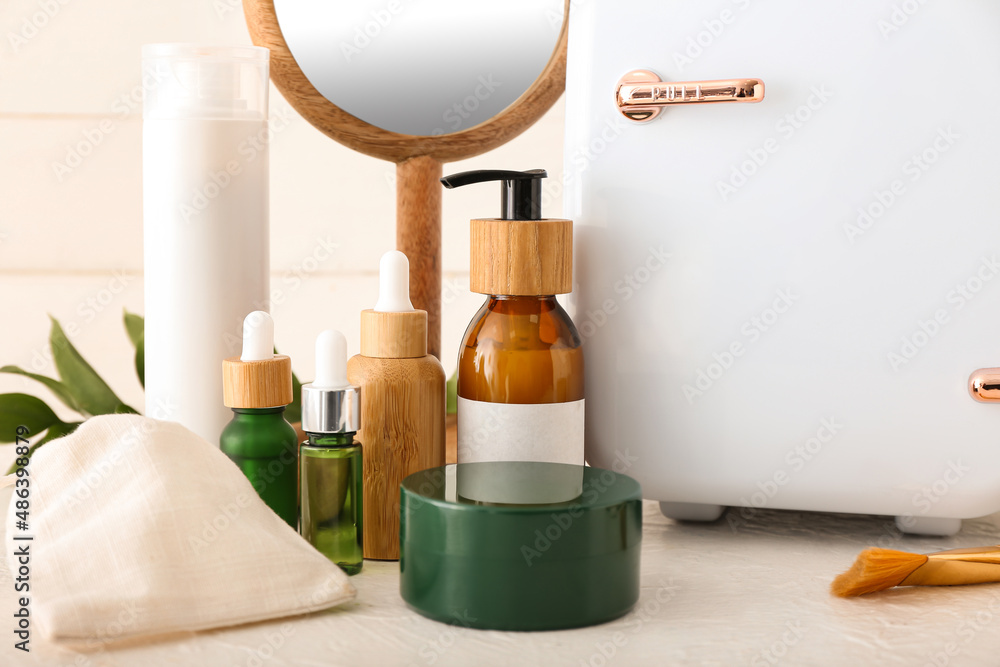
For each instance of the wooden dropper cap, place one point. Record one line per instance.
(393, 329)
(258, 378)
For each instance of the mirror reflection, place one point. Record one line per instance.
(422, 68)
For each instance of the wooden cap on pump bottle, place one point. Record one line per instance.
(520, 253)
(257, 378)
(393, 329)
(521, 257)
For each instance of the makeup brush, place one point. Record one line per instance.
(879, 569)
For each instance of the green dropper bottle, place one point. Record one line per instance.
(330, 473)
(257, 385)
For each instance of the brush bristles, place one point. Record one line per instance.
(876, 570)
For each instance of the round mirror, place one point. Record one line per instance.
(417, 83)
(426, 68)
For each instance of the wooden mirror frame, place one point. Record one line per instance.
(418, 159)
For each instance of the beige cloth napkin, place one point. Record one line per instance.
(141, 527)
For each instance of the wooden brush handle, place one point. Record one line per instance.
(976, 555)
(418, 236)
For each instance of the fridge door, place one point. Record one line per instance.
(782, 302)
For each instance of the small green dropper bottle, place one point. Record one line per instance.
(257, 385)
(330, 474)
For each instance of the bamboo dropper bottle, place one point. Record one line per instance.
(402, 403)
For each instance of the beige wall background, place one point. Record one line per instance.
(71, 189)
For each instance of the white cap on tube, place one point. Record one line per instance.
(205, 82)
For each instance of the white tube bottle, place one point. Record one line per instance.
(205, 221)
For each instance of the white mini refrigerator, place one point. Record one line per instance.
(783, 302)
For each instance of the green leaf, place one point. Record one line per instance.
(135, 326)
(24, 410)
(55, 431)
(55, 386)
(140, 360)
(293, 412)
(90, 392)
(452, 394)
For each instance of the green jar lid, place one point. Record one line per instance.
(520, 545)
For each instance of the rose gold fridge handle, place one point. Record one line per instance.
(640, 95)
(984, 385)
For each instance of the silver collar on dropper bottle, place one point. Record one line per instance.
(330, 404)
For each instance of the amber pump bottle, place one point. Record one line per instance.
(520, 366)
(402, 403)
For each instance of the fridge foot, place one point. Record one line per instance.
(691, 511)
(928, 525)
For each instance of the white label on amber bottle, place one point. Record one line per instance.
(550, 432)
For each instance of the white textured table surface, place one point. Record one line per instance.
(720, 594)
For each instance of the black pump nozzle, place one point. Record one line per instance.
(520, 192)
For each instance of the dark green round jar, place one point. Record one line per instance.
(520, 546)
